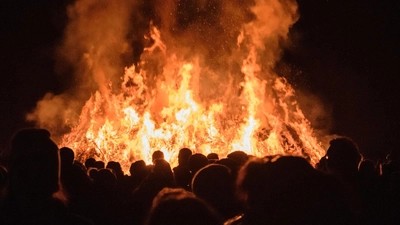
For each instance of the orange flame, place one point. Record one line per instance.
(130, 125)
(206, 81)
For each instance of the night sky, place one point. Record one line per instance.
(345, 52)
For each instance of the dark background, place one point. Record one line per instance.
(345, 52)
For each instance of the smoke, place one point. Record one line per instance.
(89, 58)
(95, 40)
(56, 113)
(103, 37)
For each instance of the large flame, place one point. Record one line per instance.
(179, 96)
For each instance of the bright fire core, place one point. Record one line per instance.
(260, 117)
(181, 96)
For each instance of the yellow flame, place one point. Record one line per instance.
(132, 124)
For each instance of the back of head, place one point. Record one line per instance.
(163, 168)
(196, 162)
(231, 164)
(342, 156)
(212, 181)
(367, 168)
(105, 179)
(157, 155)
(212, 157)
(67, 156)
(215, 184)
(99, 164)
(137, 168)
(116, 167)
(278, 189)
(271, 175)
(34, 163)
(180, 207)
(90, 162)
(238, 156)
(183, 156)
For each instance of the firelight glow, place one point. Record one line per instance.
(181, 95)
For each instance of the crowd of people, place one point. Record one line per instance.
(41, 183)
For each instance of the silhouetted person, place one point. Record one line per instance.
(394, 158)
(33, 195)
(160, 177)
(371, 192)
(139, 172)
(67, 157)
(231, 164)
(196, 162)
(367, 169)
(238, 156)
(99, 164)
(108, 205)
(182, 174)
(215, 184)
(75, 182)
(157, 155)
(212, 157)
(180, 207)
(343, 158)
(116, 167)
(288, 190)
(90, 162)
(92, 173)
(321, 165)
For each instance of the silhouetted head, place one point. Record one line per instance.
(162, 167)
(180, 207)
(268, 176)
(67, 156)
(138, 167)
(321, 165)
(116, 167)
(90, 162)
(393, 156)
(213, 156)
(342, 156)
(212, 178)
(196, 162)
(105, 179)
(367, 168)
(239, 156)
(157, 155)
(215, 184)
(281, 190)
(231, 164)
(92, 172)
(99, 164)
(34, 163)
(183, 156)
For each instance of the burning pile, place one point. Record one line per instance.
(204, 81)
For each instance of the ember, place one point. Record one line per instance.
(189, 89)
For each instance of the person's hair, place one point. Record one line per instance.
(183, 155)
(215, 184)
(176, 206)
(34, 164)
(157, 155)
(343, 155)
